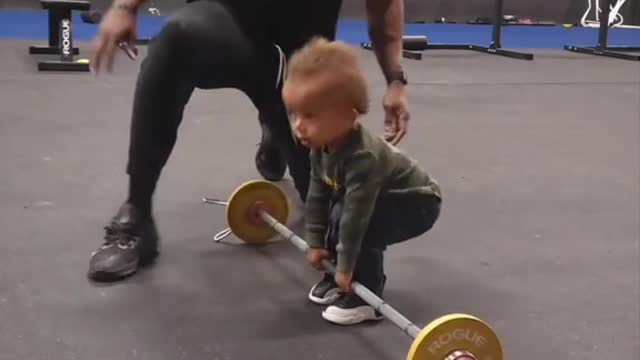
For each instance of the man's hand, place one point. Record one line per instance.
(315, 257)
(386, 26)
(118, 25)
(396, 119)
(344, 279)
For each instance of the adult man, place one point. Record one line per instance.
(211, 44)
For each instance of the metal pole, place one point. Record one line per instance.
(603, 32)
(496, 33)
(372, 299)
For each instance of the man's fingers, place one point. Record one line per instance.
(110, 54)
(390, 125)
(96, 52)
(132, 44)
(403, 124)
(398, 136)
(127, 50)
(104, 49)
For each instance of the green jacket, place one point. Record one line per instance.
(363, 168)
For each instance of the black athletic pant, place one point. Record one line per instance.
(397, 217)
(212, 45)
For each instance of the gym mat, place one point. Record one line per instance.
(538, 235)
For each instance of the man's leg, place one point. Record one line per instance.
(274, 116)
(292, 27)
(202, 45)
(271, 157)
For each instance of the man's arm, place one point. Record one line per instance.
(127, 5)
(386, 27)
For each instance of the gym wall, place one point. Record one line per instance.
(559, 11)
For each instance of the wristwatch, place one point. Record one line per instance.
(397, 75)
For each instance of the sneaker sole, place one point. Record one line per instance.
(331, 296)
(112, 276)
(351, 320)
(105, 276)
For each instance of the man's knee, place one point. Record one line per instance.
(166, 43)
(192, 23)
(177, 25)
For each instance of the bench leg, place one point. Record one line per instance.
(62, 66)
(55, 16)
(65, 42)
(48, 50)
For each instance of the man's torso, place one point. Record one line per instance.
(288, 23)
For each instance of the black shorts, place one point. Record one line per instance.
(287, 23)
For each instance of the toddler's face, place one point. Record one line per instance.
(317, 119)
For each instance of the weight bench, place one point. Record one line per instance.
(61, 36)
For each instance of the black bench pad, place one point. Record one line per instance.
(66, 4)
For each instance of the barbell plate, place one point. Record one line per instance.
(244, 199)
(454, 332)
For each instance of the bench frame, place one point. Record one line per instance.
(61, 36)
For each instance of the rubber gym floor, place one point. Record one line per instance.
(539, 235)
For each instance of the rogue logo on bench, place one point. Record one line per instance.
(65, 41)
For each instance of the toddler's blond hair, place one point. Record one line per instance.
(338, 65)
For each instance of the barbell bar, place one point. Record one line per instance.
(256, 211)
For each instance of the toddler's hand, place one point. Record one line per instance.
(343, 279)
(315, 257)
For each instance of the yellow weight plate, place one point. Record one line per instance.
(243, 201)
(456, 332)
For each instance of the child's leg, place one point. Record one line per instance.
(397, 218)
(370, 270)
(350, 309)
(326, 291)
(401, 217)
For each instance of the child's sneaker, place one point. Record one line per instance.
(350, 309)
(325, 291)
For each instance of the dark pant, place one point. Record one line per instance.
(396, 218)
(212, 45)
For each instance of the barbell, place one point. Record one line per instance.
(256, 211)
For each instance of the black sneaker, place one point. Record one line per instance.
(131, 241)
(269, 160)
(350, 309)
(325, 291)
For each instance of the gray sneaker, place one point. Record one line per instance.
(131, 241)
(325, 291)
